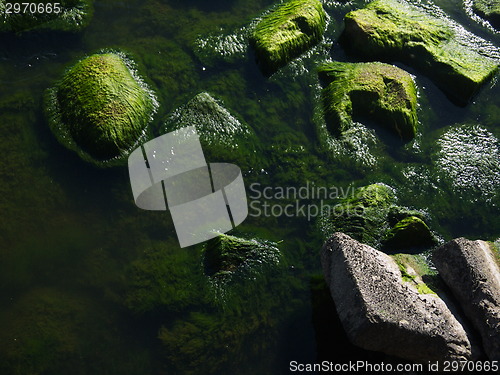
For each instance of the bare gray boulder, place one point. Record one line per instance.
(470, 270)
(381, 312)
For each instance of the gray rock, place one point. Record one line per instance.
(380, 312)
(470, 270)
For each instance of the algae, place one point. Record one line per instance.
(100, 108)
(489, 10)
(376, 90)
(394, 30)
(414, 269)
(409, 232)
(286, 32)
(74, 15)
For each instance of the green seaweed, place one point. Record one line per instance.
(489, 10)
(395, 30)
(223, 136)
(414, 269)
(100, 108)
(286, 32)
(74, 15)
(376, 90)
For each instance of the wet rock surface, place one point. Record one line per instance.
(287, 32)
(489, 10)
(471, 271)
(100, 108)
(371, 90)
(394, 30)
(380, 312)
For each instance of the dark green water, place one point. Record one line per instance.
(90, 284)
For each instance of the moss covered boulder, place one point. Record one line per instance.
(412, 231)
(362, 216)
(489, 10)
(223, 136)
(100, 108)
(229, 256)
(394, 30)
(378, 91)
(64, 15)
(371, 215)
(287, 32)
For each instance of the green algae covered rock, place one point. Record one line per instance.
(376, 90)
(63, 15)
(100, 108)
(287, 32)
(362, 216)
(371, 216)
(416, 273)
(394, 30)
(223, 136)
(489, 10)
(409, 232)
(227, 256)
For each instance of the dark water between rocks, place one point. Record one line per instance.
(91, 284)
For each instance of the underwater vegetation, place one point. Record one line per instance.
(223, 136)
(489, 10)
(372, 217)
(394, 30)
(380, 91)
(287, 32)
(100, 108)
(69, 15)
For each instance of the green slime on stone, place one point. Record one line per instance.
(382, 91)
(100, 108)
(287, 32)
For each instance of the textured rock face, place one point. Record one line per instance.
(68, 15)
(471, 271)
(395, 30)
(376, 90)
(489, 10)
(100, 107)
(380, 312)
(287, 32)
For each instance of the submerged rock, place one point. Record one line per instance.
(376, 90)
(380, 311)
(100, 108)
(222, 135)
(489, 10)
(471, 270)
(228, 256)
(65, 15)
(395, 30)
(363, 215)
(287, 32)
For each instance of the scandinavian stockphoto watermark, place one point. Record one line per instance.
(308, 201)
(204, 199)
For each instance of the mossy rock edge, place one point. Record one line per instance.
(101, 108)
(380, 91)
(287, 32)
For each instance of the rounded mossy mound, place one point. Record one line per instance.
(489, 10)
(359, 90)
(64, 15)
(409, 232)
(287, 32)
(100, 108)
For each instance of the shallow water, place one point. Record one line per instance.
(79, 262)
